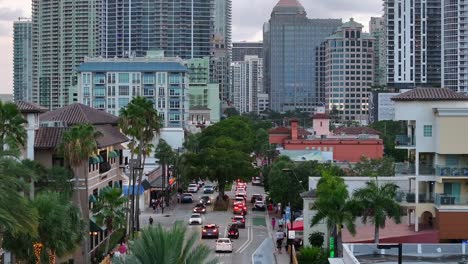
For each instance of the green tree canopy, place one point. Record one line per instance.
(390, 129)
(12, 129)
(374, 167)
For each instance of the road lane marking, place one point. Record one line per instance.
(247, 241)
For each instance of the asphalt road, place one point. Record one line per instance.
(249, 240)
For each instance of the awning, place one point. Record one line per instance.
(146, 185)
(297, 226)
(93, 160)
(94, 227)
(101, 159)
(172, 181)
(129, 190)
(92, 198)
(113, 154)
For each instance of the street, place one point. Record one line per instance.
(250, 237)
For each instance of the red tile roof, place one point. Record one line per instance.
(28, 107)
(355, 131)
(287, 130)
(79, 113)
(430, 94)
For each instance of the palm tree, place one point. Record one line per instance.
(110, 210)
(156, 245)
(140, 121)
(333, 206)
(77, 145)
(165, 155)
(60, 229)
(12, 131)
(377, 203)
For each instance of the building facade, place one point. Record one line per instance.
(349, 72)
(240, 49)
(247, 78)
(63, 34)
(377, 31)
(22, 60)
(413, 36)
(290, 39)
(110, 84)
(381, 106)
(181, 28)
(454, 45)
(436, 120)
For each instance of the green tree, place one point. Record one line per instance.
(140, 121)
(314, 255)
(389, 130)
(334, 206)
(110, 210)
(156, 245)
(192, 143)
(316, 239)
(376, 203)
(374, 167)
(262, 144)
(76, 146)
(56, 179)
(166, 157)
(12, 131)
(230, 112)
(60, 229)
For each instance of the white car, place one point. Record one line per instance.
(223, 245)
(195, 218)
(193, 188)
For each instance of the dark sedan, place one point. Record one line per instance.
(199, 208)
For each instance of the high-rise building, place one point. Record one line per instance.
(222, 41)
(110, 84)
(413, 35)
(240, 49)
(349, 72)
(63, 33)
(290, 42)
(377, 30)
(455, 45)
(247, 82)
(22, 60)
(182, 28)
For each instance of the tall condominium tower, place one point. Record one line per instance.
(290, 42)
(455, 45)
(182, 28)
(246, 78)
(377, 30)
(413, 35)
(349, 71)
(240, 49)
(64, 33)
(22, 60)
(222, 41)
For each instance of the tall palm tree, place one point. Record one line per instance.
(377, 203)
(12, 131)
(110, 210)
(333, 205)
(140, 121)
(77, 145)
(156, 245)
(165, 155)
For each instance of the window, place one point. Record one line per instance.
(136, 78)
(428, 131)
(111, 103)
(99, 91)
(124, 78)
(148, 78)
(86, 91)
(124, 90)
(111, 91)
(99, 103)
(123, 102)
(174, 104)
(111, 78)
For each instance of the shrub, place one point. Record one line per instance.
(316, 239)
(314, 255)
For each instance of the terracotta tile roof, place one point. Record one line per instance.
(355, 131)
(50, 137)
(79, 113)
(28, 107)
(287, 130)
(430, 94)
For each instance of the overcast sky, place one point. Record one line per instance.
(248, 18)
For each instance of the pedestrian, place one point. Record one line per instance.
(279, 240)
(276, 208)
(279, 208)
(178, 197)
(281, 223)
(123, 248)
(154, 207)
(151, 220)
(273, 223)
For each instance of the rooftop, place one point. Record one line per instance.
(79, 113)
(355, 131)
(129, 66)
(289, 7)
(430, 94)
(28, 107)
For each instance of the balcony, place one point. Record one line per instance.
(451, 171)
(410, 197)
(445, 199)
(402, 168)
(404, 141)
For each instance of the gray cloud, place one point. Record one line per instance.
(9, 14)
(4, 30)
(249, 15)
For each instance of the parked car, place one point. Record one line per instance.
(240, 208)
(200, 208)
(223, 245)
(206, 200)
(259, 205)
(239, 220)
(210, 231)
(195, 218)
(256, 181)
(233, 231)
(187, 198)
(208, 189)
(256, 197)
(192, 188)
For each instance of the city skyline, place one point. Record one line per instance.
(248, 19)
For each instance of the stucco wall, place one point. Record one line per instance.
(451, 135)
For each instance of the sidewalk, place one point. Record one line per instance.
(145, 215)
(282, 258)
